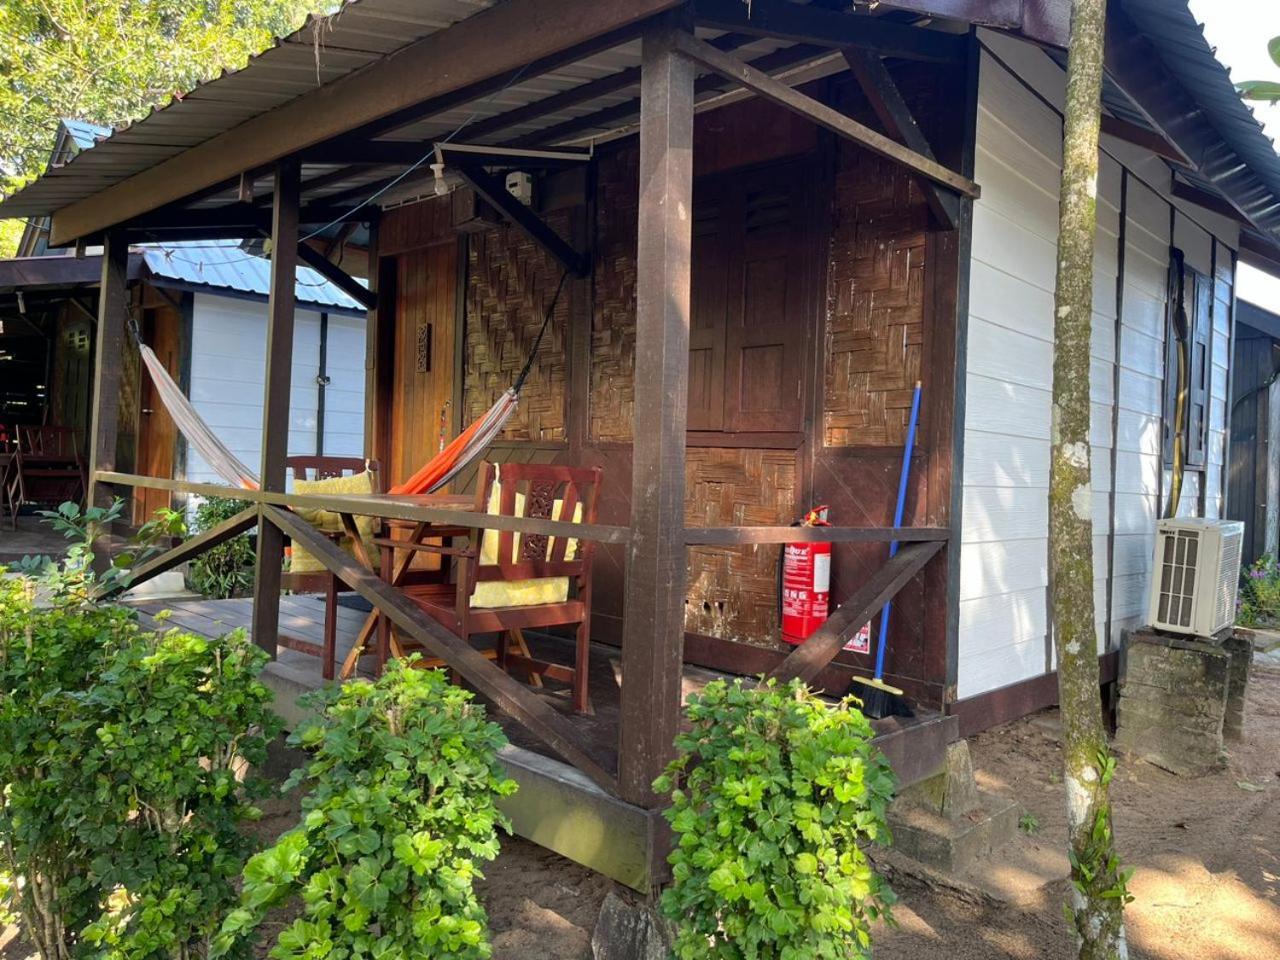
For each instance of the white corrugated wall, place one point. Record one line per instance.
(228, 368)
(1003, 619)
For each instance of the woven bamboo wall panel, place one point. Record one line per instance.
(733, 592)
(613, 321)
(875, 303)
(510, 282)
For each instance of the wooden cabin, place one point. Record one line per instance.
(773, 219)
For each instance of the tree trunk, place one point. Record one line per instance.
(1098, 885)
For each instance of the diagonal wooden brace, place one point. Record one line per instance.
(824, 116)
(808, 660)
(895, 116)
(510, 696)
(191, 547)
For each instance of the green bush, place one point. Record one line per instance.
(227, 569)
(120, 751)
(773, 794)
(402, 782)
(1259, 603)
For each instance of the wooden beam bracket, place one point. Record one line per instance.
(496, 195)
(191, 547)
(895, 116)
(348, 284)
(835, 121)
(808, 660)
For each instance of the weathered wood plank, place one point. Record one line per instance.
(833, 120)
(510, 696)
(275, 411)
(807, 660)
(653, 631)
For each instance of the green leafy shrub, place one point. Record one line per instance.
(121, 756)
(1259, 603)
(773, 794)
(227, 569)
(403, 781)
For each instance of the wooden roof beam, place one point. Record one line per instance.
(828, 28)
(824, 116)
(497, 195)
(479, 55)
(619, 113)
(895, 116)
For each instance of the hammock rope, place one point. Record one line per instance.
(432, 476)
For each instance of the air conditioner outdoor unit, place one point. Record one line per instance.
(1196, 574)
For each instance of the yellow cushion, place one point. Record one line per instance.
(521, 593)
(328, 521)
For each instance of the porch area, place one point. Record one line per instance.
(557, 807)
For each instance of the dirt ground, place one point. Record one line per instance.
(1206, 852)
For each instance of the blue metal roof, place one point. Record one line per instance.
(225, 265)
(85, 134)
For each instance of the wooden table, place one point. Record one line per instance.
(419, 531)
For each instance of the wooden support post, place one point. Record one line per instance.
(108, 361)
(653, 628)
(113, 311)
(275, 409)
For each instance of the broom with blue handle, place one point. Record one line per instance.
(880, 699)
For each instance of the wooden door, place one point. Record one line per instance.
(157, 433)
(422, 397)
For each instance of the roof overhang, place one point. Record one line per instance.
(357, 96)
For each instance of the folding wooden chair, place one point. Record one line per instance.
(507, 582)
(45, 469)
(322, 581)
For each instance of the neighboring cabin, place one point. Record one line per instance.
(201, 305)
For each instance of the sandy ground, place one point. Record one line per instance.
(1207, 854)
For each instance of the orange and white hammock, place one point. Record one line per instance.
(433, 475)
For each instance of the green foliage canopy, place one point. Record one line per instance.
(110, 61)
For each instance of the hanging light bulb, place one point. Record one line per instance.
(442, 188)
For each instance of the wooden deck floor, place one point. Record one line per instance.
(912, 745)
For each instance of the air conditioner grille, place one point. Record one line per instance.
(1178, 577)
(1228, 577)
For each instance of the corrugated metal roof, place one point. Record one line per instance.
(224, 265)
(324, 49)
(1186, 54)
(85, 134)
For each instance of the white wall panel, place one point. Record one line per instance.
(228, 369)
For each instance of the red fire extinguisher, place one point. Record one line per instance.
(806, 582)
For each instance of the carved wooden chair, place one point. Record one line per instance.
(506, 582)
(45, 468)
(312, 468)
